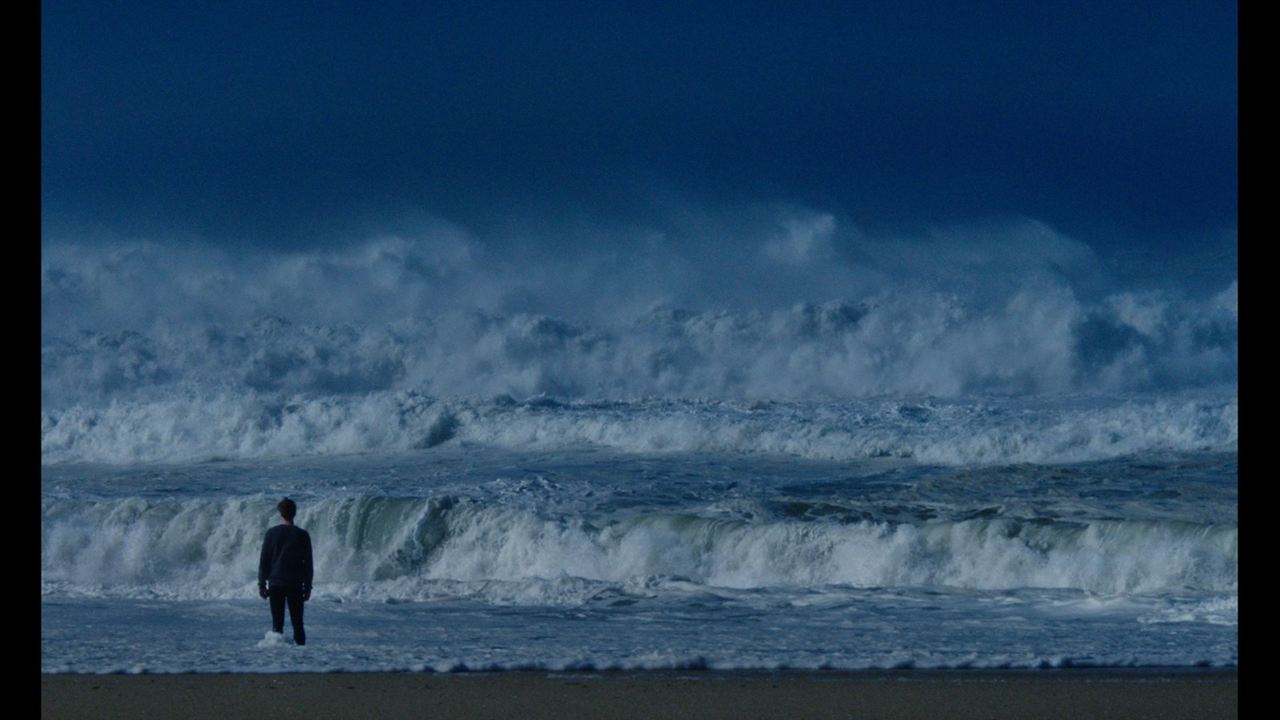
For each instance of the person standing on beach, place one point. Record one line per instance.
(284, 571)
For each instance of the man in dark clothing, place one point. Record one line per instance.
(284, 571)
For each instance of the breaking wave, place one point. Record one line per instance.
(377, 548)
(162, 353)
(933, 431)
(1035, 343)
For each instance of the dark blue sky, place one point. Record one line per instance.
(293, 122)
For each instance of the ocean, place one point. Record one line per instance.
(1026, 476)
(675, 535)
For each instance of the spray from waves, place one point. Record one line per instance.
(995, 431)
(986, 312)
(1036, 341)
(166, 353)
(405, 548)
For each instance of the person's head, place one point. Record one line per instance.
(288, 509)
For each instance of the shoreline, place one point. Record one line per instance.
(954, 693)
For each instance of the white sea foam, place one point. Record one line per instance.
(272, 640)
(165, 352)
(988, 311)
(252, 425)
(1037, 340)
(1216, 611)
(414, 549)
(798, 337)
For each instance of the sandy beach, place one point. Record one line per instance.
(899, 695)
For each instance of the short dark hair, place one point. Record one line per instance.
(287, 508)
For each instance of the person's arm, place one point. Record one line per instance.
(264, 565)
(307, 570)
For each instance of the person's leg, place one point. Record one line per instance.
(276, 596)
(295, 616)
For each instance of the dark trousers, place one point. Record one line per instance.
(279, 596)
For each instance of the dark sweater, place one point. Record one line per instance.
(286, 558)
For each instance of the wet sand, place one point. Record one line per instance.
(957, 695)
